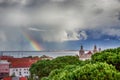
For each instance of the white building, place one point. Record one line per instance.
(20, 70)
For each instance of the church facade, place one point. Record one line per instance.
(84, 55)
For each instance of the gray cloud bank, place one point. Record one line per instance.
(59, 20)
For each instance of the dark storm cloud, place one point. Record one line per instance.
(58, 20)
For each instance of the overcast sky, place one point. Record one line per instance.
(59, 22)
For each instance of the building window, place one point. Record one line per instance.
(20, 73)
(16, 69)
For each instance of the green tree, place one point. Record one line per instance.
(97, 71)
(111, 56)
(43, 67)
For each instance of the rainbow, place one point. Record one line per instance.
(34, 44)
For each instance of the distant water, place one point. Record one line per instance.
(38, 53)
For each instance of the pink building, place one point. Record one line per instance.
(4, 68)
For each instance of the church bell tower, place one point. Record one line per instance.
(95, 49)
(81, 51)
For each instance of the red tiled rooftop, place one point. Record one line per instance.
(12, 59)
(10, 78)
(21, 65)
(7, 78)
(23, 78)
(5, 57)
(89, 52)
(19, 62)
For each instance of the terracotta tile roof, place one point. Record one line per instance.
(20, 64)
(89, 52)
(10, 78)
(23, 78)
(5, 57)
